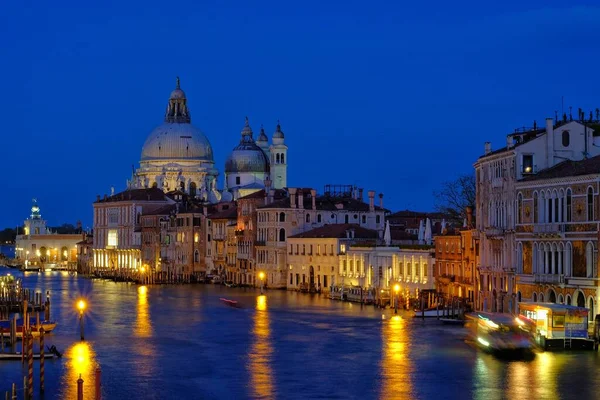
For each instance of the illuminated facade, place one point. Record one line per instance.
(222, 257)
(117, 228)
(527, 152)
(39, 247)
(302, 210)
(557, 235)
(315, 257)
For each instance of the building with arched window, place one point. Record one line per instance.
(557, 248)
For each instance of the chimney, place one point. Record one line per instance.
(469, 210)
(292, 192)
(300, 199)
(97, 197)
(550, 142)
(313, 195)
(509, 142)
(488, 147)
(381, 200)
(205, 210)
(271, 195)
(105, 196)
(360, 194)
(371, 200)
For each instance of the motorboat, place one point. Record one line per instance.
(501, 333)
(48, 326)
(437, 312)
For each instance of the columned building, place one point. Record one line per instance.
(527, 151)
(557, 235)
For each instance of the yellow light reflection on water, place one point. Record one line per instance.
(143, 325)
(396, 366)
(81, 360)
(261, 352)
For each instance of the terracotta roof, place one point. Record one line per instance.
(568, 168)
(165, 210)
(279, 194)
(231, 213)
(150, 194)
(338, 231)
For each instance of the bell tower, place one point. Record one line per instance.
(278, 159)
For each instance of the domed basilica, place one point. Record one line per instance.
(178, 156)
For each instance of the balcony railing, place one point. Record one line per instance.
(549, 228)
(239, 232)
(494, 232)
(549, 278)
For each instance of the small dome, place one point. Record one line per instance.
(247, 156)
(278, 132)
(263, 136)
(226, 196)
(177, 94)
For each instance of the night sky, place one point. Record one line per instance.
(395, 97)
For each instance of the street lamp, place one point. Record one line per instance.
(81, 307)
(396, 291)
(261, 276)
(142, 270)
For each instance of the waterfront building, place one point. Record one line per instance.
(527, 151)
(117, 228)
(302, 210)
(40, 247)
(557, 229)
(156, 247)
(222, 223)
(314, 256)
(252, 162)
(383, 266)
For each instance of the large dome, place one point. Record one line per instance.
(177, 138)
(181, 141)
(247, 156)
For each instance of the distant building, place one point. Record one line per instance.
(40, 247)
(315, 257)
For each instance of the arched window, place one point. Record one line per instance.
(319, 218)
(520, 257)
(281, 217)
(568, 300)
(589, 259)
(364, 219)
(566, 139)
(569, 205)
(535, 208)
(307, 218)
(541, 297)
(193, 189)
(155, 185)
(277, 158)
(590, 204)
(282, 235)
(519, 208)
(282, 158)
(591, 308)
(567, 260)
(534, 297)
(64, 254)
(196, 256)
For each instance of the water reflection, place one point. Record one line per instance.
(81, 361)
(396, 366)
(261, 353)
(143, 326)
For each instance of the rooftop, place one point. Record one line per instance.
(149, 194)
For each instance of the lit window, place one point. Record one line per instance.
(113, 238)
(196, 238)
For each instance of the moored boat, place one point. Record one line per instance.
(48, 326)
(231, 303)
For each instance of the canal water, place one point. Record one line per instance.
(172, 342)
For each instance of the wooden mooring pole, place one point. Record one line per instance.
(79, 388)
(42, 355)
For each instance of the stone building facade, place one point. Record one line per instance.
(557, 235)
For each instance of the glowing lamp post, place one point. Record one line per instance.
(142, 270)
(81, 307)
(261, 276)
(396, 291)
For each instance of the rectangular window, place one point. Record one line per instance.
(528, 164)
(318, 249)
(113, 238)
(291, 279)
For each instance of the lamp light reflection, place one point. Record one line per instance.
(396, 366)
(260, 355)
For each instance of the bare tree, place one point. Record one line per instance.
(455, 196)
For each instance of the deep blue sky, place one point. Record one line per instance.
(396, 96)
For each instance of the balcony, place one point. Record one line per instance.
(239, 232)
(549, 278)
(497, 182)
(549, 229)
(492, 232)
(259, 243)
